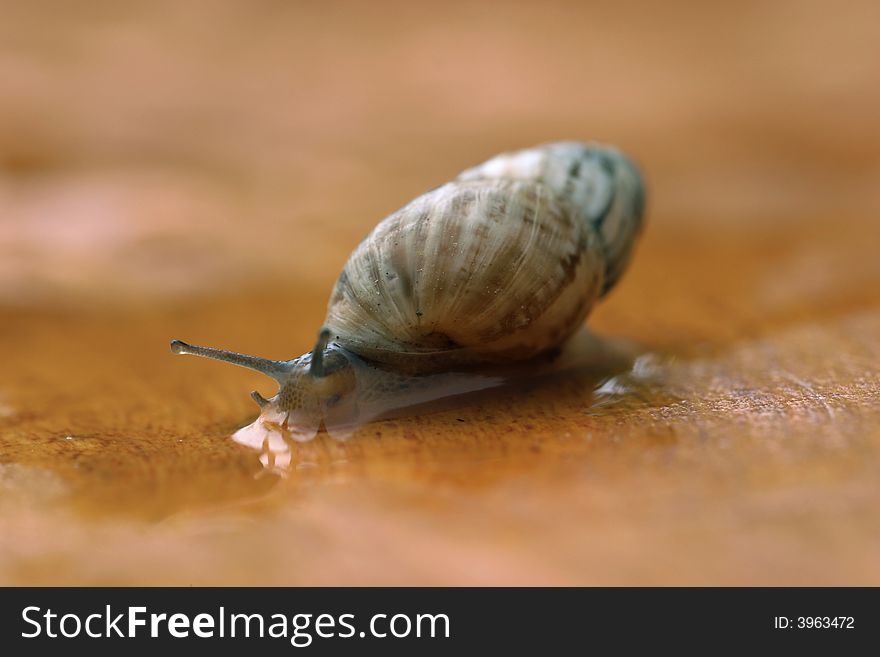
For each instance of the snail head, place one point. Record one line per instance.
(313, 387)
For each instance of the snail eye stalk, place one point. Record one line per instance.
(316, 369)
(276, 369)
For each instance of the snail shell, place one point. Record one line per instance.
(500, 265)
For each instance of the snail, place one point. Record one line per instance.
(497, 268)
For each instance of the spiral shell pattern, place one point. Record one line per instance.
(501, 264)
(597, 184)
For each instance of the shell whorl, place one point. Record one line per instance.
(501, 264)
(598, 183)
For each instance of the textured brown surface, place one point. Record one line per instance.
(202, 170)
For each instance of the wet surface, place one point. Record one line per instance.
(735, 440)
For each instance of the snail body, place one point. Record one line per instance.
(499, 266)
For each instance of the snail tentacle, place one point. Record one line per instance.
(277, 369)
(262, 402)
(316, 369)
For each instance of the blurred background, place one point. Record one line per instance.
(201, 170)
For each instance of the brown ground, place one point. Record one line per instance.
(201, 170)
